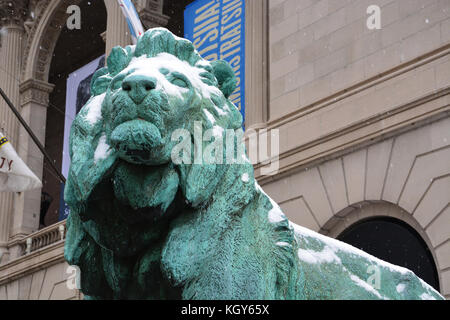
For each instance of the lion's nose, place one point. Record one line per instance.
(138, 86)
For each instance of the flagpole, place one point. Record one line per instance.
(32, 135)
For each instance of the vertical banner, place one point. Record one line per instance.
(15, 176)
(217, 30)
(77, 94)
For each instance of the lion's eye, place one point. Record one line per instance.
(208, 78)
(164, 71)
(116, 85)
(178, 79)
(179, 82)
(117, 82)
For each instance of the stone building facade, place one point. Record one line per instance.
(362, 114)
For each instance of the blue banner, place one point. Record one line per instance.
(217, 30)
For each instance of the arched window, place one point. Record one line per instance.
(396, 242)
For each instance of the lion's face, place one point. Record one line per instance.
(148, 100)
(123, 135)
(122, 176)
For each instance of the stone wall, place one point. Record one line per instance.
(363, 116)
(319, 47)
(405, 171)
(41, 275)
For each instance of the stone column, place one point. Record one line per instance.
(13, 14)
(256, 64)
(117, 32)
(34, 102)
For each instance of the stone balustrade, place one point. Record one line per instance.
(42, 238)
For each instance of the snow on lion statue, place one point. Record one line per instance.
(143, 226)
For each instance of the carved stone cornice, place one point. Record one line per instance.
(153, 5)
(151, 19)
(151, 13)
(37, 9)
(45, 22)
(35, 91)
(49, 39)
(13, 12)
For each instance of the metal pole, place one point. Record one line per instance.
(35, 139)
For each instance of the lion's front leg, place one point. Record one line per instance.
(82, 251)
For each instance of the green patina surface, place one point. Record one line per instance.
(144, 227)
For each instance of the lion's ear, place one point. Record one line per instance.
(118, 59)
(225, 77)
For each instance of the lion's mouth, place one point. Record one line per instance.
(136, 140)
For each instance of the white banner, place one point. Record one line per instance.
(133, 20)
(15, 176)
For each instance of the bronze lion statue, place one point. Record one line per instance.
(145, 226)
